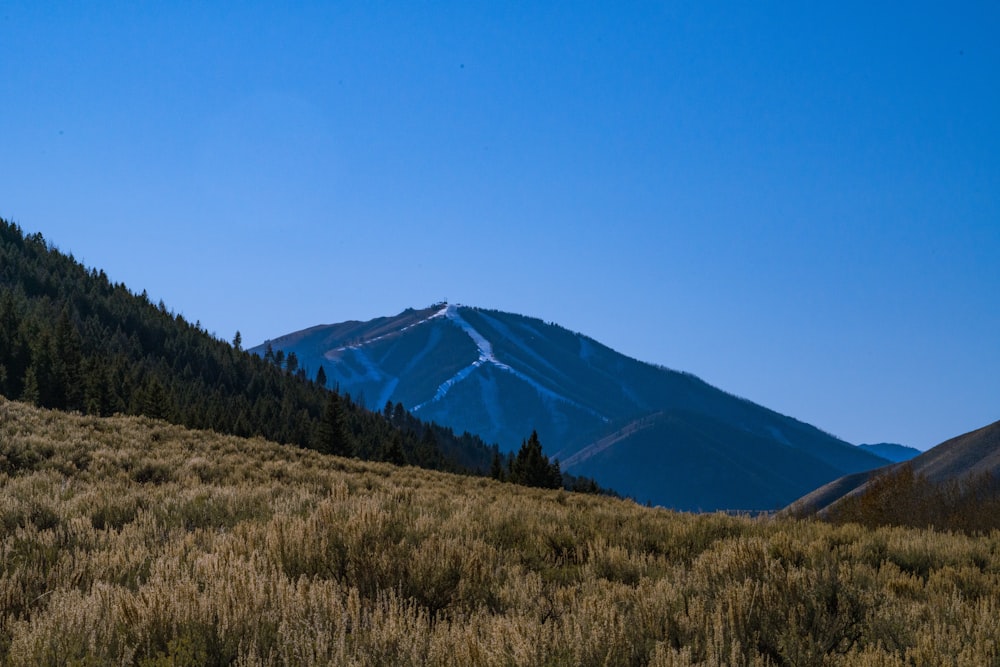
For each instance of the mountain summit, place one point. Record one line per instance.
(650, 432)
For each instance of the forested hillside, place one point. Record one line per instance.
(72, 339)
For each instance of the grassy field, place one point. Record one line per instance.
(130, 541)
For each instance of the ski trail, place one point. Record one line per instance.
(486, 356)
(367, 341)
(372, 372)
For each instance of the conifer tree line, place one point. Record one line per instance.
(71, 339)
(531, 467)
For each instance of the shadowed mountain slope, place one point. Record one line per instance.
(660, 435)
(891, 451)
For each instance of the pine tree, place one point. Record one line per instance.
(31, 394)
(67, 356)
(496, 466)
(532, 468)
(321, 376)
(392, 451)
(427, 454)
(152, 399)
(331, 435)
(399, 415)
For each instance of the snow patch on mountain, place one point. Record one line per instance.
(518, 342)
(486, 356)
(443, 388)
(372, 372)
(331, 354)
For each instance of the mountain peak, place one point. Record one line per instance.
(624, 422)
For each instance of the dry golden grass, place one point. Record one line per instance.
(127, 541)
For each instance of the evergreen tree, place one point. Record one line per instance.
(427, 454)
(331, 435)
(67, 359)
(399, 415)
(392, 451)
(152, 399)
(95, 388)
(321, 376)
(496, 466)
(291, 363)
(30, 393)
(532, 468)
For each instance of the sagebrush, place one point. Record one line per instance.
(128, 541)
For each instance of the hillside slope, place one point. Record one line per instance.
(132, 541)
(71, 339)
(968, 457)
(502, 375)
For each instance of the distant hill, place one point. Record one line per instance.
(948, 485)
(655, 434)
(892, 452)
(71, 339)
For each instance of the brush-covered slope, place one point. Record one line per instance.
(970, 458)
(130, 541)
(663, 436)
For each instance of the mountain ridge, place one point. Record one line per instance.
(891, 451)
(502, 375)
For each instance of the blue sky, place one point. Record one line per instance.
(798, 203)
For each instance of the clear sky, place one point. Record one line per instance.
(798, 202)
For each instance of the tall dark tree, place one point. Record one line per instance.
(496, 466)
(532, 468)
(331, 435)
(392, 450)
(30, 393)
(67, 356)
(321, 376)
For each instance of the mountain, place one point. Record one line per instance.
(71, 339)
(891, 451)
(962, 474)
(655, 434)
